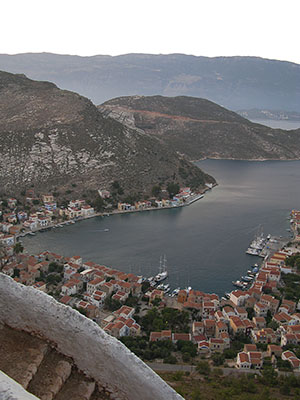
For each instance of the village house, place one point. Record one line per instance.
(47, 198)
(209, 327)
(259, 322)
(182, 296)
(40, 286)
(241, 312)
(87, 211)
(156, 294)
(217, 345)
(163, 335)
(71, 287)
(274, 349)
(197, 328)
(7, 240)
(120, 296)
(270, 302)
(117, 329)
(95, 284)
(243, 361)
(282, 318)
(236, 325)
(220, 328)
(260, 310)
(125, 312)
(107, 287)
(238, 297)
(76, 260)
(256, 359)
(181, 336)
(30, 224)
(228, 312)
(292, 359)
(97, 298)
(105, 194)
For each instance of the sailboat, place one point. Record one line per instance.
(163, 273)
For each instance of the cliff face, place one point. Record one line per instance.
(200, 129)
(52, 138)
(102, 357)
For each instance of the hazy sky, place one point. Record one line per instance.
(265, 28)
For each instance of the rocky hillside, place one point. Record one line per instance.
(52, 138)
(200, 129)
(234, 82)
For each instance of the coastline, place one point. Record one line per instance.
(195, 198)
(245, 159)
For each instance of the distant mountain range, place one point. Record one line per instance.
(198, 128)
(54, 139)
(237, 83)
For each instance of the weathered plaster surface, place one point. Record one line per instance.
(11, 390)
(99, 355)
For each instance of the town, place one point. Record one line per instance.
(254, 326)
(42, 213)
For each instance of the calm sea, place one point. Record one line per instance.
(281, 124)
(204, 243)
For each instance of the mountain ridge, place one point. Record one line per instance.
(52, 138)
(219, 134)
(234, 82)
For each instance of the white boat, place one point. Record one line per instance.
(175, 292)
(163, 273)
(237, 284)
(246, 278)
(252, 252)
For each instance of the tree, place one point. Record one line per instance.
(18, 248)
(170, 360)
(116, 187)
(16, 273)
(156, 189)
(203, 368)
(218, 359)
(99, 204)
(173, 188)
(269, 376)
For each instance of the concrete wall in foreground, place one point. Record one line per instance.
(99, 355)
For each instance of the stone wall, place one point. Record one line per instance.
(99, 355)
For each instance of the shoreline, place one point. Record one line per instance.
(245, 159)
(195, 198)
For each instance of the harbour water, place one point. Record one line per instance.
(205, 243)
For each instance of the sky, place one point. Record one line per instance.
(264, 28)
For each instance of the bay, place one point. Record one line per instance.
(205, 243)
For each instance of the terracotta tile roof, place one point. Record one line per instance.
(244, 357)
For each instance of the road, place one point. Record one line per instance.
(160, 367)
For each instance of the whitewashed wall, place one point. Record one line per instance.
(99, 355)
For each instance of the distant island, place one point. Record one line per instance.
(276, 115)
